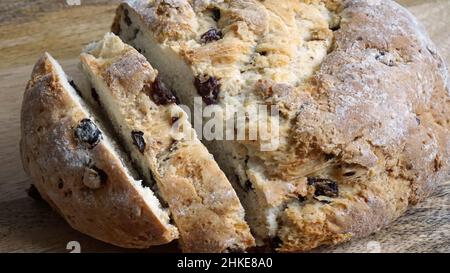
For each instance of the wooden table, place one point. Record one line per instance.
(28, 29)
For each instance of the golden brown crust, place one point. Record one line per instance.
(372, 114)
(381, 102)
(67, 173)
(202, 202)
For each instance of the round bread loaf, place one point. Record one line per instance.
(362, 95)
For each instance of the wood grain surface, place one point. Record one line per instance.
(28, 28)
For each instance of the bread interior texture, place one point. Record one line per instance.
(248, 178)
(203, 204)
(112, 144)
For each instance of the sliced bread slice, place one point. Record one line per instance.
(78, 169)
(144, 113)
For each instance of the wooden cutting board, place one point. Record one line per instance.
(28, 29)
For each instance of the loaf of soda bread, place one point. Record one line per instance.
(362, 97)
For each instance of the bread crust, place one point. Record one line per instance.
(113, 211)
(373, 115)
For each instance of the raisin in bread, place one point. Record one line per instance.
(78, 169)
(202, 202)
(361, 91)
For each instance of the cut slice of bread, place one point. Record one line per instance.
(79, 170)
(157, 134)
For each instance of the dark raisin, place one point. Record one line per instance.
(138, 140)
(87, 132)
(211, 36)
(359, 38)
(95, 96)
(127, 19)
(208, 88)
(72, 83)
(324, 187)
(101, 174)
(159, 93)
(418, 121)
(34, 193)
(335, 28)
(312, 180)
(216, 14)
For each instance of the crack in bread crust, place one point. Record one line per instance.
(370, 110)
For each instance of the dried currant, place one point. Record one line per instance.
(87, 132)
(138, 140)
(159, 93)
(335, 28)
(211, 36)
(209, 88)
(216, 14)
(324, 187)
